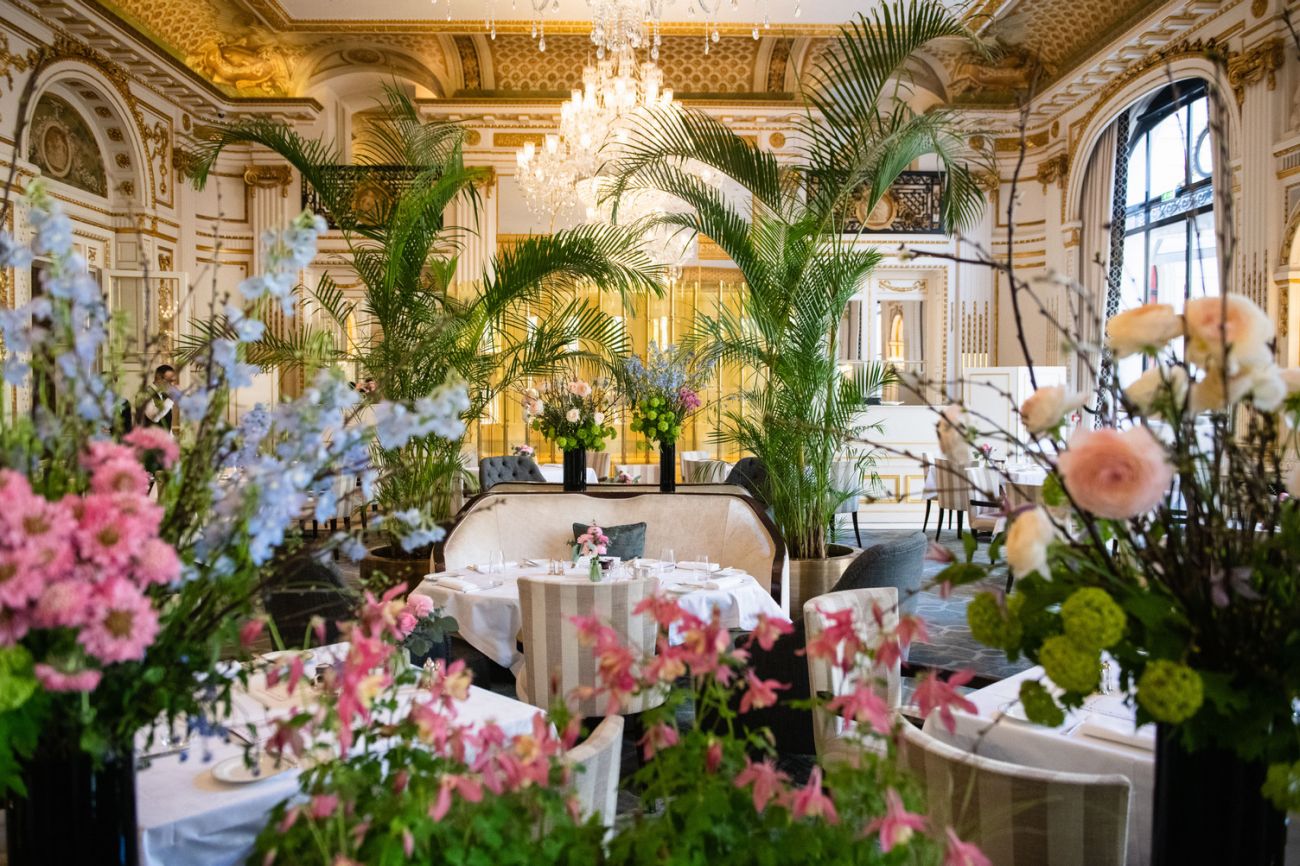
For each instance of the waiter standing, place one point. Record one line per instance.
(155, 409)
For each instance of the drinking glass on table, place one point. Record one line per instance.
(701, 566)
(497, 562)
(667, 555)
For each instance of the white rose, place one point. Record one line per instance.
(1047, 406)
(1027, 542)
(1291, 378)
(572, 416)
(952, 435)
(1217, 392)
(598, 417)
(1234, 319)
(533, 393)
(1149, 326)
(1157, 382)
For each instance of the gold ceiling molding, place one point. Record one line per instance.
(517, 139)
(1255, 65)
(247, 65)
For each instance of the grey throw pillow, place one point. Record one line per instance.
(626, 541)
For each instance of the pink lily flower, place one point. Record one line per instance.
(863, 705)
(811, 801)
(959, 853)
(766, 779)
(933, 693)
(768, 630)
(897, 825)
(760, 694)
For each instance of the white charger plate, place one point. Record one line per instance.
(233, 771)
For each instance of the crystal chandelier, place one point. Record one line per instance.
(611, 91)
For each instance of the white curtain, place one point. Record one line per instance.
(1094, 246)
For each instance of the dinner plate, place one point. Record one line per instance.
(233, 771)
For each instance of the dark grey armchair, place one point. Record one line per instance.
(751, 474)
(899, 563)
(498, 470)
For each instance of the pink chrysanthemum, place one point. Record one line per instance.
(156, 562)
(64, 604)
(125, 623)
(20, 578)
(55, 680)
(112, 528)
(157, 440)
(101, 452)
(120, 476)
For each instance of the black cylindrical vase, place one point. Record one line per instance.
(667, 467)
(74, 811)
(1208, 808)
(575, 469)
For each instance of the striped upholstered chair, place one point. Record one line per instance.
(1021, 816)
(553, 658)
(825, 678)
(596, 762)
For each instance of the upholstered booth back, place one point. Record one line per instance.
(496, 470)
(726, 526)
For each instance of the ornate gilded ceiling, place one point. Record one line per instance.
(255, 48)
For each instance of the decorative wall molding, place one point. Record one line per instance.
(1254, 65)
(269, 177)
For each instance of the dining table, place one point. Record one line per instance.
(188, 817)
(554, 473)
(485, 603)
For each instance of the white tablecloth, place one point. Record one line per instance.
(1065, 749)
(188, 818)
(490, 619)
(554, 473)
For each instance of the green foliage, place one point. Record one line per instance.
(1169, 691)
(797, 411)
(1092, 618)
(1040, 707)
(425, 328)
(1073, 667)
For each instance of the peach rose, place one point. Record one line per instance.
(1149, 326)
(1047, 407)
(579, 388)
(1158, 383)
(1115, 475)
(1027, 542)
(1234, 319)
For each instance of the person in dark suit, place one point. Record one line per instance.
(156, 406)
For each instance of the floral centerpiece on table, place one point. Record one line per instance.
(1167, 539)
(663, 391)
(115, 607)
(523, 451)
(427, 630)
(396, 777)
(572, 413)
(593, 543)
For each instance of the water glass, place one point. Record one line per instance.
(702, 566)
(667, 555)
(497, 564)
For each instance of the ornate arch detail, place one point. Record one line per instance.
(1186, 59)
(1288, 235)
(150, 143)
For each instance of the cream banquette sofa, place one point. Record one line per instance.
(727, 526)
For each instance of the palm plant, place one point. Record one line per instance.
(800, 268)
(427, 329)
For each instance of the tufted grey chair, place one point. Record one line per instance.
(497, 470)
(899, 562)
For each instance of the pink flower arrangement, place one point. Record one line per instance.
(83, 565)
(690, 400)
(594, 542)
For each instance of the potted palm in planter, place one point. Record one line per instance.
(425, 328)
(799, 267)
(662, 392)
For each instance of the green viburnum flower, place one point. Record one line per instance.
(1073, 667)
(1040, 707)
(1092, 618)
(1282, 786)
(1170, 691)
(994, 624)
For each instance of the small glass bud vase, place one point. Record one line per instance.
(595, 573)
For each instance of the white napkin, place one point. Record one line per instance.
(698, 566)
(1118, 731)
(465, 584)
(731, 581)
(485, 568)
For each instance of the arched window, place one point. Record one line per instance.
(897, 349)
(1169, 244)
